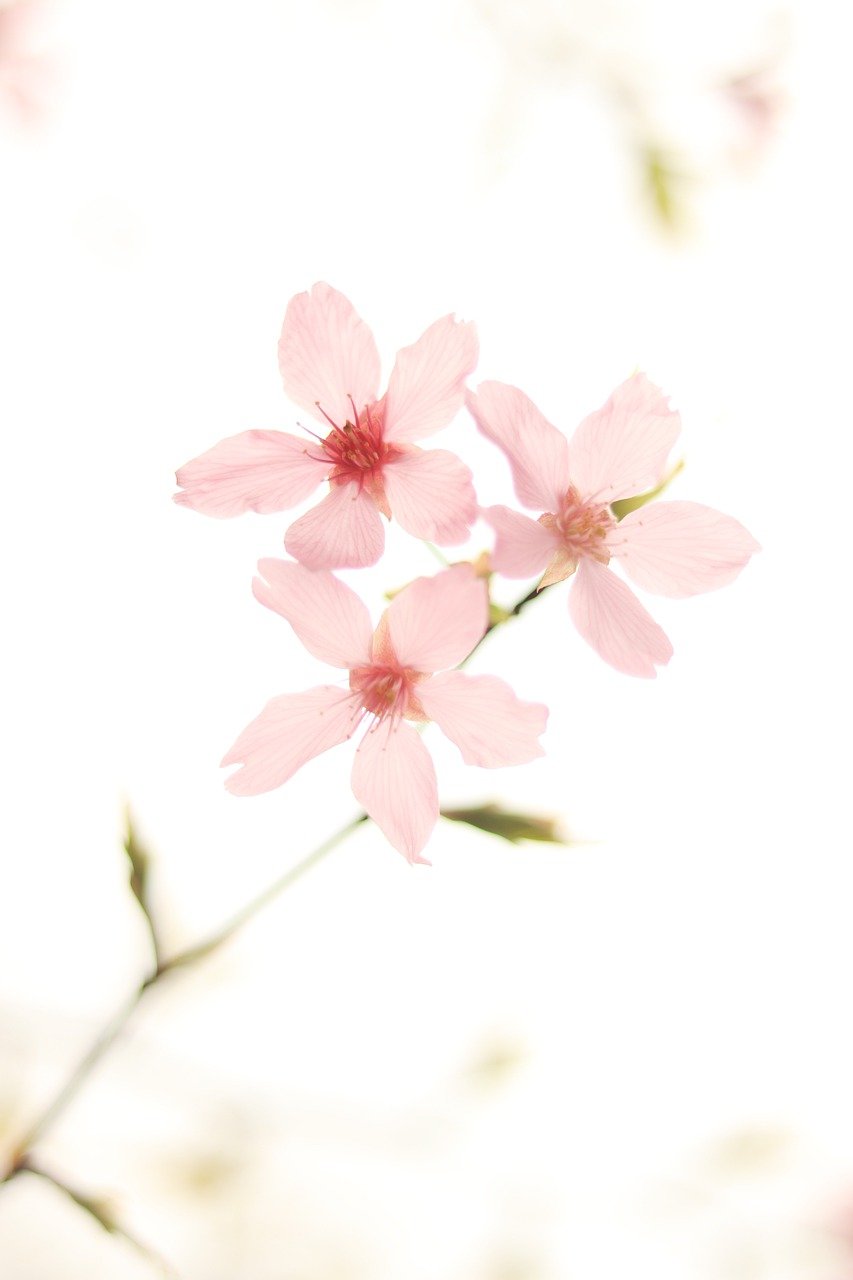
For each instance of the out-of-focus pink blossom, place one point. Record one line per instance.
(758, 102)
(432, 625)
(330, 366)
(24, 73)
(673, 548)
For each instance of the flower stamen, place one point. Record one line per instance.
(387, 692)
(330, 421)
(582, 526)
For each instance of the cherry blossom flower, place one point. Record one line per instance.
(432, 625)
(330, 366)
(672, 548)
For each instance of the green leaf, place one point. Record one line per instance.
(507, 824)
(624, 506)
(662, 179)
(139, 860)
(140, 863)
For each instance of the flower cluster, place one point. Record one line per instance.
(401, 674)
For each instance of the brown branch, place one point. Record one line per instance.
(182, 959)
(97, 1208)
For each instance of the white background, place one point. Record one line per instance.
(670, 995)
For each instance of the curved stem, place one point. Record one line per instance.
(183, 959)
(116, 1024)
(256, 904)
(99, 1046)
(512, 612)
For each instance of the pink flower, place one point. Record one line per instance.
(330, 366)
(673, 548)
(433, 624)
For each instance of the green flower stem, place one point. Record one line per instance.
(256, 904)
(107, 1036)
(438, 555)
(99, 1046)
(506, 615)
(191, 955)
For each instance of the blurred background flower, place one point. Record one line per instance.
(27, 68)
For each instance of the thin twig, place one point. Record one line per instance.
(112, 1029)
(507, 614)
(99, 1210)
(439, 555)
(183, 959)
(241, 917)
(99, 1046)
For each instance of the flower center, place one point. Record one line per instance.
(582, 527)
(357, 451)
(388, 691)
(357, 447)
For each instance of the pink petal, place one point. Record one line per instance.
(427, 388)
(681, 548)
(435, 622)
(328, 617)
(289, 732)
(431, 495)
(610, 618)
(394, 779)
(621, 449)
(344, 531)
(537, 452)
(255, 471)
(326, 353)
(482, 715)
(523, 547)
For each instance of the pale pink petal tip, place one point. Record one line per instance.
(394, 779)
(610, 618)
(622, 448)
(681, 548)
(427, 385)
(326, 353)
(484, 718)
(330, 619)
(537, 452)
(261, 471)
(289, 732)
(431, 495)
